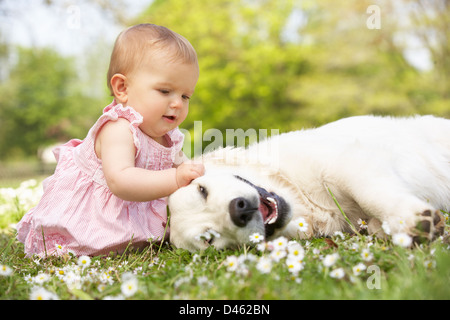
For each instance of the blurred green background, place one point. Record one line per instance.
(284, 64)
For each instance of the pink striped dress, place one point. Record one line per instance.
(78, 213)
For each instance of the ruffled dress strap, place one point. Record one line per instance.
(114, 111)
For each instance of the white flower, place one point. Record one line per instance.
(362, 223)
(261, 246)
(264, 265)
(59, 249)
(337, 273)
(386, 228)
(129, 285)
(330, 259)
(277, 255)
(429, 264)
(446, 217)
(118, 297)
(296, 251)
(5, 270)
(204, 281)
(354, 247)
(39, 293)
(294, 266)
(301, 224)
(339, 234)
(72, 279)
(402, 239)
(358, 269)
(279, 243)
(366, 255)
(41, 278)
(105, 277)
(256, 237)
(101, 287)
(84, 261)
(232, 263)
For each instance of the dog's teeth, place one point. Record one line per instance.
(271, 200)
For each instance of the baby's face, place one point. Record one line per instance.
(160, 91)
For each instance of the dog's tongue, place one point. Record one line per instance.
(264, 210)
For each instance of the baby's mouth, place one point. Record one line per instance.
(170, 118)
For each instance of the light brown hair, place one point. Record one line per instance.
(139, 41)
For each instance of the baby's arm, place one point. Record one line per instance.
(115, 147)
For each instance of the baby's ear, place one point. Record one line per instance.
(119, 87)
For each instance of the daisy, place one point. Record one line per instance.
(339, 234)
(301, 224)
(84, 261)
(72, 279)
(337, 273)
(129, 286)
(277, 255)
(296, 251)
(105, 277)
(386, 228)
(264, 265)
(5, 270)
(280, 243)
(294, 266)
(402, 239)
(362, 224)
(358, 269)
(366, 255)
(330, 259)
(256, 237)
(429, 264)
(59, 249)
(232, 263)
(41, 278)
(28, 279)
(39, 293)
(261, 246)
(101, 287)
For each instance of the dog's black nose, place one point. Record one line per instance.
(241, 211)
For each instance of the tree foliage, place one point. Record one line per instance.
(288, 64)
(41, 104)
(264, 64)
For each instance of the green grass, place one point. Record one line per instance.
(419, 273)
(165, 272)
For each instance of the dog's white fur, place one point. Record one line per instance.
(380, 169)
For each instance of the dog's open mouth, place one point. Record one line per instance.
(269, 209)
(272, 207)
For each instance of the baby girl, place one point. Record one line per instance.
(108, 190)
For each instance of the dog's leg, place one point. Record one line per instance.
(388, 201)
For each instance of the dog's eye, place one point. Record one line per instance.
(203, 191)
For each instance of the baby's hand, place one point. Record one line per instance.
(188, 171)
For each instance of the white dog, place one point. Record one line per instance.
(389, 172)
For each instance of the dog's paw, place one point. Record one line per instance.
(430, 225)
